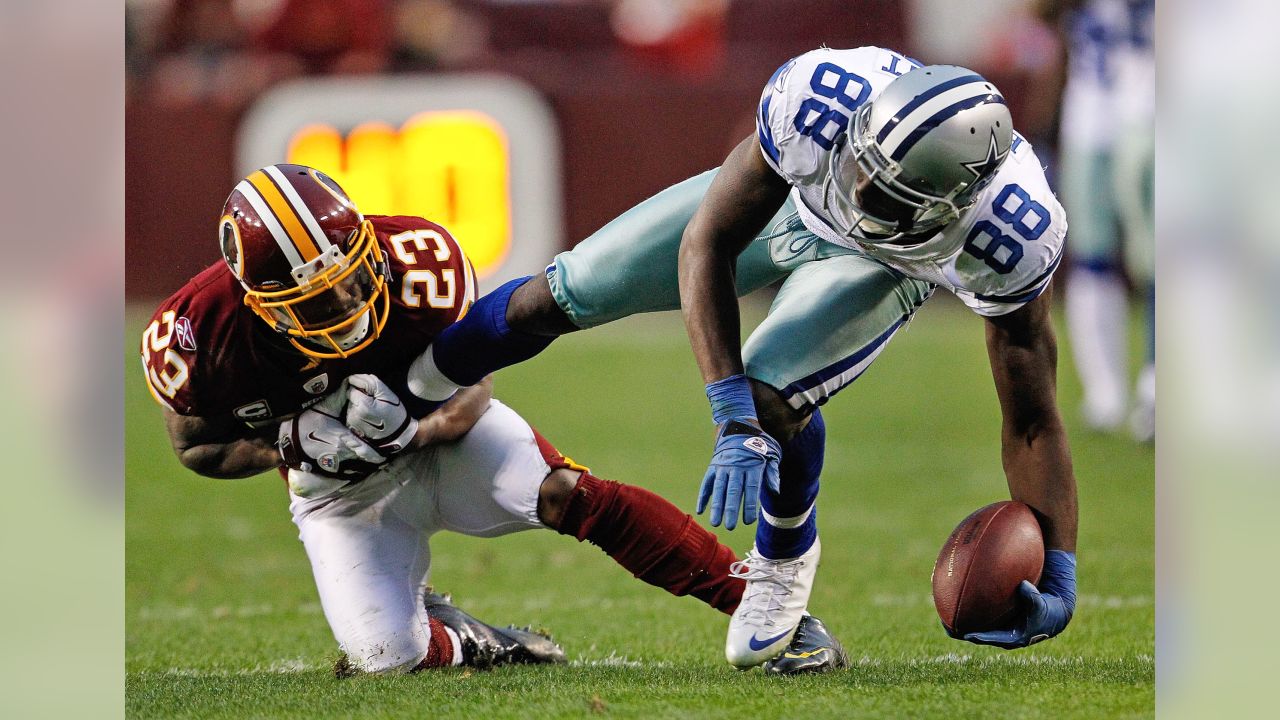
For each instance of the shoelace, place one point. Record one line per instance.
(768, 581)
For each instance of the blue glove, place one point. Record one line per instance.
(745, 456)
(1048, 609)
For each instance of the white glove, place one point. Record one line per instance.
(376, 414)
(315, 442)
(313, 485)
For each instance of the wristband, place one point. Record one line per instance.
(1059, 576)
(731, 398)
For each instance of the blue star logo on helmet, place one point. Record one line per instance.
(986, 166)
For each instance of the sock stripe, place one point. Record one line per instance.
(787, 523)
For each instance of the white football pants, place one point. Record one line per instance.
(368, 544)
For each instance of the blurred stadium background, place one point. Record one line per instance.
(524, 125)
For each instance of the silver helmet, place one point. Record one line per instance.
(928, 143)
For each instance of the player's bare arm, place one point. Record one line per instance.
(456, 417)
(1037, 461)
(220, 448)
(743, 197)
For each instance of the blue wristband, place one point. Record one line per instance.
(1059, 576)
(731, 398)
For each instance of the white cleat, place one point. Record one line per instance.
(772, 605)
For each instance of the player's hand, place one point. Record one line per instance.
(1046, 610)
(745, 456)
(376, 414)
(313, 441)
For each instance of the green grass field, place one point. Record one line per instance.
(223, 619)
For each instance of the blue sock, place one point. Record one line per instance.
(789, 521)
(482, 342)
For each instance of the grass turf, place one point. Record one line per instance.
(223, 620)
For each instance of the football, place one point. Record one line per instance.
(976, 577)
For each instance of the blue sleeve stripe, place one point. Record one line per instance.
(766, 135)
(1036, 286)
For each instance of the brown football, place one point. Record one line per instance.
(975, 580)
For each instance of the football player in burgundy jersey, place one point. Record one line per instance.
(299, 351)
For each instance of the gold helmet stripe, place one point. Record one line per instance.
(288, 218)
(269, 219)
(300, 207)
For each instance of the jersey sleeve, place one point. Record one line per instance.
(434, 282)
(167, 349)
(1015, 242)
(806, 106)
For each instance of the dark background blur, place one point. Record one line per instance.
(645, 92)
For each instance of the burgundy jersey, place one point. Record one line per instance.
(206, 354)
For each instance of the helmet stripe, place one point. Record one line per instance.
(927, 110)
(250, 192)
(921, 99)
(300, 207)
(294, 231)
(938, 118)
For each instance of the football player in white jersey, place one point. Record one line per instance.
(1107, 180)
(871, 181)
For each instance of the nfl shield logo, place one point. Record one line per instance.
(317, 384)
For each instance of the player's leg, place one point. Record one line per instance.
(1135, 190)
(1097, 300)
(369, 554)
(828, 323)
(368, 564)
(503, 477)
(629, 266)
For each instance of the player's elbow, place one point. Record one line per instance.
(204, 460)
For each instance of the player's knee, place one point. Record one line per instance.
(533, 309)
(554, 495)
(777, 417)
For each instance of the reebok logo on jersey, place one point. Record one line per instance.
(756, 445)
(186, 336)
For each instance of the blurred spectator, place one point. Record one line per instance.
(330, 36)
(684, 36)
(1106, 181)
(435, 33)
(1028, 46)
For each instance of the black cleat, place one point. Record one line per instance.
(485, 646)
(812, 650)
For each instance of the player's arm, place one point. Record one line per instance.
(742, 198)
(220, 448)
(456, 417)
(1037, 463)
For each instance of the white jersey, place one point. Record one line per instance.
(1110, 71)
(1001, 252)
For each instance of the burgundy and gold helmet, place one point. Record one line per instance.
(309, 262)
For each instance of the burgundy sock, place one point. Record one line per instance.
(439, 648)
(654, 540)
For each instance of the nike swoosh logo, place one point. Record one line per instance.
(322, 441)
(377, 426)
(762, 644)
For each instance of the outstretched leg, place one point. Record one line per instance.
(627, 267)
(641, 531)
